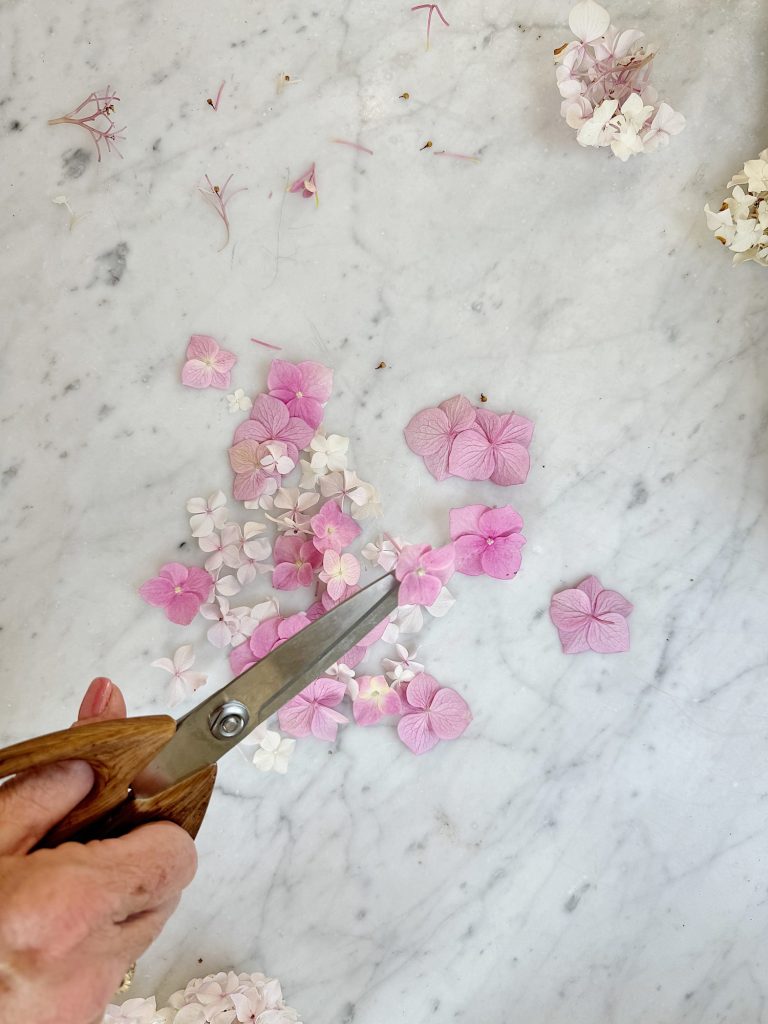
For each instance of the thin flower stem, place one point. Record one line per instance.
(214, 104)
(218, 199)
(457, 156)
(354, 145)
(107, 132)
(431, 8)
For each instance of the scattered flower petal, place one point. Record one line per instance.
(239, 401)
(311, 711)
(422, 571)
(179, 590)
(375, 698)
(182, 683)
(590, 618)
(487, 540)
(432, 713)
(207, 365)
(432, 432)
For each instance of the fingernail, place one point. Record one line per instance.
(96, 698)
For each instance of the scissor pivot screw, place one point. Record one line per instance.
(228, 720)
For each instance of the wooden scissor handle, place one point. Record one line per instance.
(116, 751)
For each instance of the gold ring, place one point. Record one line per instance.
(127, 978)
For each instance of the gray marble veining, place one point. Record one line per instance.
(594, 849)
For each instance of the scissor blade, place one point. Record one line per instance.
(271, 683)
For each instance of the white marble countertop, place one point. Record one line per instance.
(593, 850)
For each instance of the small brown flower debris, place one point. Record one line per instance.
(381, 366)
(404, 96)
(427, 145)
(483, 398)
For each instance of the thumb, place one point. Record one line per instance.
(34, 801)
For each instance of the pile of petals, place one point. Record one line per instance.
(221, 998)
(589, 618)
(603, 77)
(741, 223)
(304, 539)
(457, 439)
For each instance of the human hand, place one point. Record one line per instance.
(73, 918)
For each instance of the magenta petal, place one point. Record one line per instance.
(196, 374)
(500, 522)
(292, 625)
(241, 658)
(421, 689)
(366, 712)
(502, 559)
(513, 464)
(182, 608)
(469, 552)
(449, 714)
(465, 520)
(570, 610)
(296, 716)
(428, 432)
(199, 582)
(471, 456)
(416, 589)
(202, 346)
(157, 591)
(609, 634)
(413, 729)
(609, 601)
(265, 637)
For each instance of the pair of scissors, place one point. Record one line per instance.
(157, 768)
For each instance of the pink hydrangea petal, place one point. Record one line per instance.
(421, 689)
(291, 626)
(244, 456)
(182, 608)
(336, 588)
(502, 559)
(286, 576)
(199, 582)
(413, 729)
(202, 346)
(609, 634)
(241, 658)
(220, 379)
(437, 462)
(287, 549)
(249, 430)
(440, 562)
(592, 587)
(512, 427)
(449, 714)
(471, 456)
(249, 486)
(366, 712)
(296, 434)
(264, 637)
(306, 409)
(409, 559)
(609, 601)
(375, 634)
(176, 572)
(195, 374)
(428, 432)
(157, 591)
(469, 552)
(512, 464)
(416, 589)
(317, 380)
(570, 610)
(499, 522)
(354, 656)
(325, 723)
(224, 360)
(284, 377)
(575, 641)
(296, 716)
(465, 520)
(305, 575)
(460, 412)
(270, 415)
(391, 703)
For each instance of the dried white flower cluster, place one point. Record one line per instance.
(741, 223)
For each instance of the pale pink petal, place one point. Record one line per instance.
(513, 464)
(410, 559)
(305, 575)
(336, 588)
(350, 569)
(296, 435)
(165, 664)
(460, 413)
(367, 712)
(592, 587)
(224, 360)
(391, 703)
(413, 729)
(375, 634)
(220, 379)
(284, 379)
(250, 486)
(219, 634)
(202, 346)
(469, 552)
(354, 656)
(325, 722)
(416, 589)
(609, 634)
(440, 562)
(175, 572)
(500, 522)
(428, 432)
(296, 716)
(421, 689)
(570, 610)
(449, 714)
(502, 558)
(244, 457)
(574, 641)
(271, 416)
(264, 637)
(182, 608)
(292, 625)
(306, 409)
(326, 691)
(317, 380)
(512, 427)
(437, 462)
(465, 520)
(195, 374)
(471, 456)
(609, 601)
